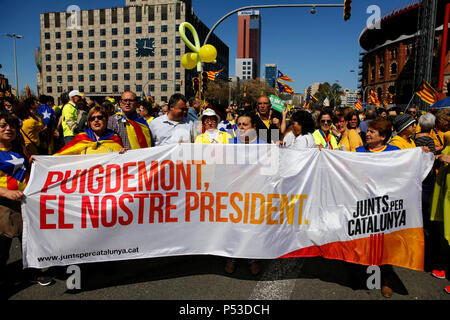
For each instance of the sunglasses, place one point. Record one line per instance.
(128, 100)
(325, 121)
(96, 117)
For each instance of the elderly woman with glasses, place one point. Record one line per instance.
(324, 136)
(211, 134)
(96, 139)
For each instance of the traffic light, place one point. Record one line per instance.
(196, 84)
(347, 9)
(204, 81)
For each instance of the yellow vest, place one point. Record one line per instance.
(402, 143)
(320, 140)
(222, 138)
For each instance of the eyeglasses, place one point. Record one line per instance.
(128, 100)
(325, 121)
(96, 117)
(263, 102)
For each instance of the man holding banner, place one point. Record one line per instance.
(267, 131)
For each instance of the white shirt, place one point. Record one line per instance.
(166, 132)
(303, 142)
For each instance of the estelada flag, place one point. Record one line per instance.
(212, 75)
(87, 143)
(284, 88)
(282, 76)
(313, 98)
(427, 93)
(373, 98)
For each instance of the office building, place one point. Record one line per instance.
(249, 39)
(104, 52)
(271, 74)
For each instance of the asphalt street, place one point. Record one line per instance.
(203, 278)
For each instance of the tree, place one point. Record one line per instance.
(331, 91)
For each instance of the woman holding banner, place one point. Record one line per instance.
(211, 134)
(246, 130)
(378, 134)
(96, 139)
(13, 179)
(302, 128)
(324, 136)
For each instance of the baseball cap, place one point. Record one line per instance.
(74, 93)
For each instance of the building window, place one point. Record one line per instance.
(58, 46)
(151, 29)
(49, 79)
(81, 88)
(138, 14)
(138, 30)
(80, 78)
(381, 72)
(69, 56)
(91, 33)
(103, 55)
(126, 87)
(80, 33)
(177, 64)
(49, 89)
(126, 65)
(151, 87)
(126, 54)
(114, 31)
(114, 43)
(57, 35)
(115, 66)
(164, 87)
(47, 35)
(102, 16)
(47, 46)
(126, 42)
(114, 54)
(69, 67)
(92, 89)
(80, 45)
(164, 28)
(151, 76)
(48, 68)
(90, 17)
(57, 20)
(163, 64)
(114, 15)
(102, 43)
(138, 64)
(138, 88)
(58, 57)
(115, 77)
(126, 76)
(164, 12)
(163, 76)
(91, 55)
(394, 69)
(163, 52)
(151, 13)
(80, 55)
(115, 88)
(138, 76)
(126, 30)
(68, 34)
(126, 14)
(103, 88)
(92, 77)
(103, 32)
(69, 45)
(103, 66)
(69, 78)
(91, 66)
(91, 44)
(164, 40)
(394, 53)
(80, 67)
(151, 64)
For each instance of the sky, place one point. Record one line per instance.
(308, 48)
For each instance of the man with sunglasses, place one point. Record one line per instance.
(412, 111)
(131, 128)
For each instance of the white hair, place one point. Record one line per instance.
(427, 122)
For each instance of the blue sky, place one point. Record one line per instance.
(308, 48)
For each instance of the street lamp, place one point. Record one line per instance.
(15, 36)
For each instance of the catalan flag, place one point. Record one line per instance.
(87, 143)
(427, 93)
(284, 88)
(326, 102)
(282, 76)
(358, 105)
(312, 98)
(373, 98)
(212, 75)
(138, 131)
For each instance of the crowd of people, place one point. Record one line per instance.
(80, 125)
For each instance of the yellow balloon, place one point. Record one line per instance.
(189, 60)
(208, 53)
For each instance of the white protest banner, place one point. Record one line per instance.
(242, 201)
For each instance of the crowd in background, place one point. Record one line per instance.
(81, 125)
